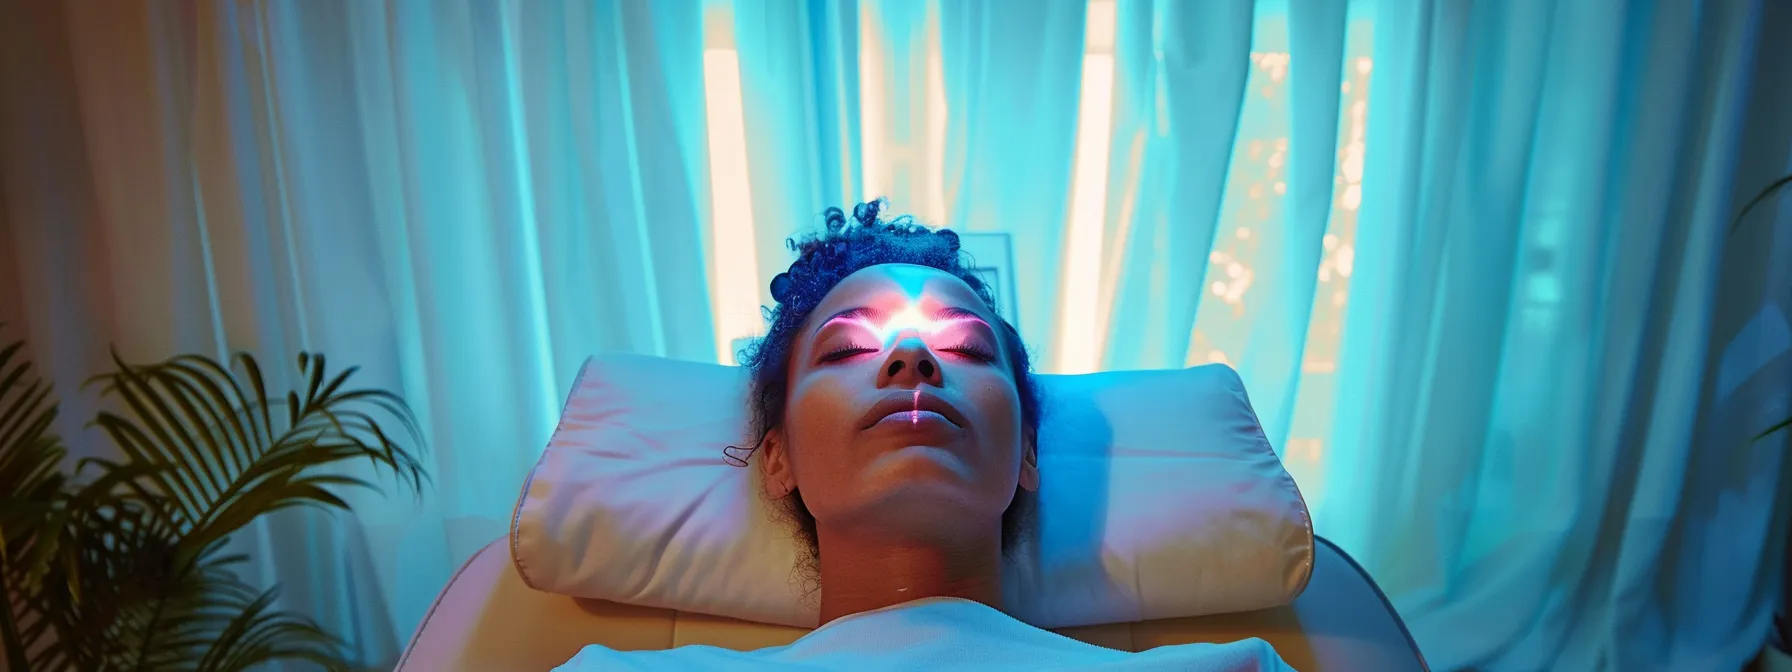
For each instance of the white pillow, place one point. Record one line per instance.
(1159, 498)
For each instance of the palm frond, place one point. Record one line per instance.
(31, 483)
(1759, 198)
(159, 610)
(204, 618)
(117, 563)
(152, 610)
(206, 452)
(258, 634)
(121, 566)
(30, 457)
(1782, 425)
(1735, 225)
(233, 457)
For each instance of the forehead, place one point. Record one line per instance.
(892, 286)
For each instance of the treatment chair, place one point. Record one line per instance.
(1164, 516)
(487, 619)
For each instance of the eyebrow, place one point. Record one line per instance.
(869, 313)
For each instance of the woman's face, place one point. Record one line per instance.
(902, 406)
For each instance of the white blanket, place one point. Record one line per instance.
(939, 633)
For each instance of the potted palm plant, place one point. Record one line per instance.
(123, 564)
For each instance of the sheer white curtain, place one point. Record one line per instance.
(1471, 298)
(1522, 447)
(463, 199)
(961, 113)
(1464, 254)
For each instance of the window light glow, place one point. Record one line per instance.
(935, 183)
(734, 269)
(1080, 337)
(871, 107)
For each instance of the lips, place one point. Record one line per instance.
(904, 401)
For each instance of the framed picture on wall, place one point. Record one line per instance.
(992, 257)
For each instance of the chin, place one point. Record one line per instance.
(927, 492)
(920, 465)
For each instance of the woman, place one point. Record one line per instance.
(896, 418)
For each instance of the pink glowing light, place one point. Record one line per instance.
(910, 318)
(914, 416)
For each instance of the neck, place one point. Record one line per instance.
(862, 570)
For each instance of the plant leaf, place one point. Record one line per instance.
(260, 402)
(1782, 425)
(31, 496)
(177, 420)
(206, 452)
(259, 634)
(1759, 198)
(226, 405)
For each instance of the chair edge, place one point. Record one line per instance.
(417, 635)
(1385, 603)
(1411, 643)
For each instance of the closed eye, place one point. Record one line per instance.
(972, 351)
(844, 352)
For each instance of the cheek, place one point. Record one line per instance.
(817, 420)
(998, 405)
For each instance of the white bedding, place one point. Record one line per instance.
(939, 633)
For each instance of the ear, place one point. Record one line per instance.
(1029, 461)
(778, 481)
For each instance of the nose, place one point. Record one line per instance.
(910, 364)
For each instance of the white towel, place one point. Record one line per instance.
(937, 633)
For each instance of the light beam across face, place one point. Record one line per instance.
(910, 318)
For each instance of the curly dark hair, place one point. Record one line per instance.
(842, 247)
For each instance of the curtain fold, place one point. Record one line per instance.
(1467, 256)
(799, 85)
(1285, 281)
(1546, 194)
(1179, 91)
(463, 201)
(1011, 80)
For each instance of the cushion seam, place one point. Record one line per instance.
(516, 513)
(1283, 479)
